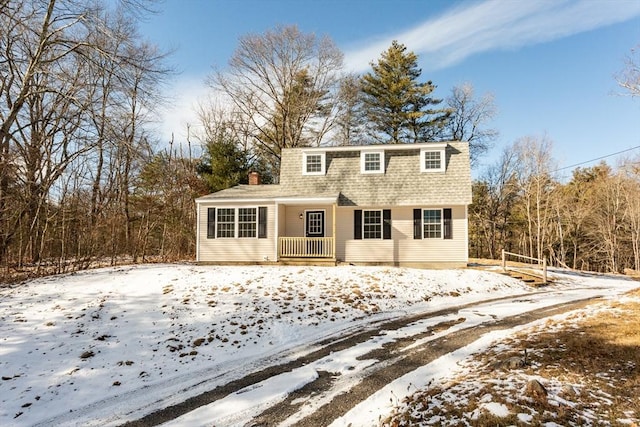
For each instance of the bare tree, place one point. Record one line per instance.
(629, 78)
(469, 118)
(535, 164)
(279, 82)
(350, 120)
(75, 82)
(630, 172)
(496, 195)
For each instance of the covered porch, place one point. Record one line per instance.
(306, 229)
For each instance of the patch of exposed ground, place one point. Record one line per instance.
(587, 364)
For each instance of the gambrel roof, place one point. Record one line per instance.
(401, 183)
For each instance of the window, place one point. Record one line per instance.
(432, 223)
(432, 160)
(247, 223)
(372, 161)
(313, 163)
(237, 222)
(371, 224)
(226, 222)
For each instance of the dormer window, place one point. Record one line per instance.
(372, 161)
(313, 163)
(432, 160)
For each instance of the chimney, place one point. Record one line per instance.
(254, 178)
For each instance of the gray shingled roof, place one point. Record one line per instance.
(401, 184)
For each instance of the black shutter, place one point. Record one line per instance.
(262, 222)
(357, 224)
(211, 223)
(446, 213)
(417, 223)
(386, 224)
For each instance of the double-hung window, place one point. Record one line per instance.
(372, 161)
(432, 160)
(247, 222)
(432, 224)
(313, 163)
(226, 222)
(372, 224)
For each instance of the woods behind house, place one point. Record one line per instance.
(86, 180)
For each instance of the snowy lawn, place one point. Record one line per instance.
(105, 346)
(72, 340)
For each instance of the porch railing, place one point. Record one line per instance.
(305, 247)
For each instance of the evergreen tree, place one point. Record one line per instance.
(398, 106)
(223, 164)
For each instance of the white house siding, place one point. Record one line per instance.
(403, 248)
(229, 250)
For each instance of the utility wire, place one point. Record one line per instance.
(599, 158)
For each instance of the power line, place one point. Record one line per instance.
(599, 158)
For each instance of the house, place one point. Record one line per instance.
(400, 204)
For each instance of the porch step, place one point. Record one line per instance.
(308, 261)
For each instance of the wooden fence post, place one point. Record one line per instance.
(504, 261)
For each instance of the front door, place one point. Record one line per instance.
(314, 224)
(314, 231)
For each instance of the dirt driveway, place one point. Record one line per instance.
(333, 394)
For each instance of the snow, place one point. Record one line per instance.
(497, 409)
(107, 346)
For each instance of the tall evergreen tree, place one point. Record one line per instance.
(399, 107)
(223, 163)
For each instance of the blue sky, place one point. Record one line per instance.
(551, 65)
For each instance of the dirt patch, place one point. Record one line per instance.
(588, 364)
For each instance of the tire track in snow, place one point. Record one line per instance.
(340, 397)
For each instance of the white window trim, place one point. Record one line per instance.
(443, 166)
(362, 161)
(323, 162)
(236, 222)
(441, 224)
(381, 224)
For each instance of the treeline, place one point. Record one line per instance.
(80, 180)
(588, 222)
(85, 182)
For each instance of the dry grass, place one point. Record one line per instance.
(589, 364)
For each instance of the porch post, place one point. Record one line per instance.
(333, 231)
(276, 231)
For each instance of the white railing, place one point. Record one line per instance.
(542, 263)
(305, 247)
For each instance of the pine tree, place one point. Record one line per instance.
(398, 106)
(223, 164)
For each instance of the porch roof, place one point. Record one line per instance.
(268, 193)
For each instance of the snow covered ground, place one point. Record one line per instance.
(105, 346)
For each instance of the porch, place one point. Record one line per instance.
(306, 247)
(306, 230)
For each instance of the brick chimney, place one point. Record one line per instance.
(254, 178)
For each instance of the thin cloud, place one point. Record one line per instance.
(180, 112)
(497, 25)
